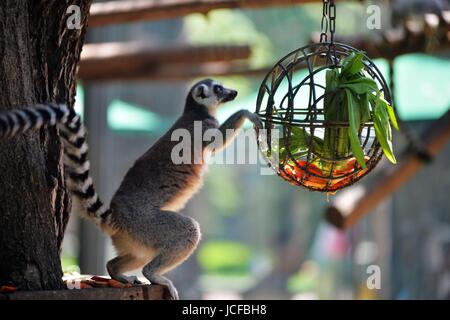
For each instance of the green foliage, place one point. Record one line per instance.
(219, 27)
(362, 92)
(354, 125)
(352, 65)
(222, 192)
(299, 283)
(383, 128)
(350, 97)
(299, 142)
(334, 110)
(360, 86)
(69, 264)
(224, 257)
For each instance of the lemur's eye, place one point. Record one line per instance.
(218, 89)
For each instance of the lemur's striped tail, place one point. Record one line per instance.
(73, 134)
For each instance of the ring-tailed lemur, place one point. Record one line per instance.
(143, 220)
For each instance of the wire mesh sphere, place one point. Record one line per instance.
(301, 142)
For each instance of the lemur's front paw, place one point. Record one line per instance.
(127, 279)
(254, 118)
(134, 280)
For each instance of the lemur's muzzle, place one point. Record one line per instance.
(229, 95)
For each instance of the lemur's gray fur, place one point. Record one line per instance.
(143, 220)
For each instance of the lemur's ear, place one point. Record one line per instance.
(201, 91)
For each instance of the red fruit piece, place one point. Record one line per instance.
(84, 285)
(8, 289)
(307, 174)
(99, 279)
(116, 284)
(347, 167)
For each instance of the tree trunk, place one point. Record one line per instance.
(39, 55)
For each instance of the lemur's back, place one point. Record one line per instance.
(171, 185)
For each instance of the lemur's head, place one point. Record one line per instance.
(209, 94)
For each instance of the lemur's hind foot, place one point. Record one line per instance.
(163, 281)
(116, 266)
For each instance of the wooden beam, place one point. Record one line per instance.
(182, 64)
(115, 61)
(169, 72)
(123, 60)
(214, 69)
(126, 11)
(356, 202)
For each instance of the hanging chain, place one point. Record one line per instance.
(328, 22)
(332, 15)
(324, 22)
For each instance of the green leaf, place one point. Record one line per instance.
(330, 96)
(335, 139)
(392, 116)
(354, 124)
(360, 86)
(331, 79)
(346, 63)
(299, 142)
(304, 137)
(384, 117)
(365, 80)
(365, 108)
(383, 131)
(352, 64)
(390, 112)
(357, 64)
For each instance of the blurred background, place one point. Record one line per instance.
(262, 237)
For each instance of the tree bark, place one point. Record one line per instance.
(39, 55)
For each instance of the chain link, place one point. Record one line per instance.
(332, 17)
(324, 22)
(328, 22)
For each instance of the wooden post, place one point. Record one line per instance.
(347, 209)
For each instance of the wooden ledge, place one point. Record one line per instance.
(140, 292)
